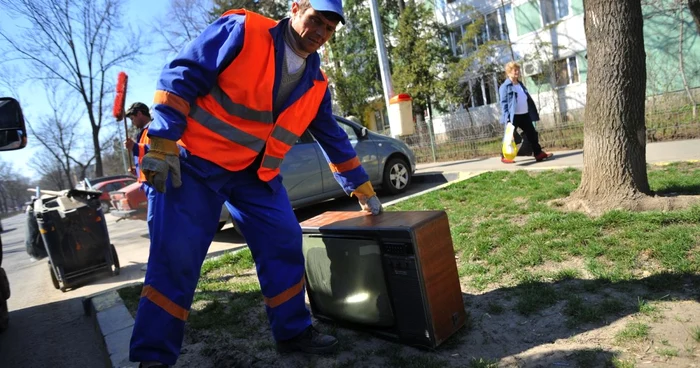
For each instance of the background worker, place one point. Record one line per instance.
(238, 97)
(140, 116)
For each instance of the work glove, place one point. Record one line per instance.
(162, 157)
(368, 198)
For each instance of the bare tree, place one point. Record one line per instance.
(59, 134)
(184, 21)
(75, 42)
(52, 174)
(13, 188)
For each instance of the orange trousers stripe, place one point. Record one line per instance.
(162, 301)
(284, 296)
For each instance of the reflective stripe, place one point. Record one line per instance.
(285, 136)
(172, 100)
(239, 110)
(225, 130)
(271, 162)
(284, 296)
(162, 301)
(345, 166)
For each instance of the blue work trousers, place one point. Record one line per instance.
(182, 225)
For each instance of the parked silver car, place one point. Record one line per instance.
(389, 162)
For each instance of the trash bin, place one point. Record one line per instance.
(75, 236)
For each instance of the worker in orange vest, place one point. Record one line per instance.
(140, 117)
(238, 97)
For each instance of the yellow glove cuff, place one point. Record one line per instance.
(364, 190)
(163, 146)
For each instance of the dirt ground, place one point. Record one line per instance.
(498, 335)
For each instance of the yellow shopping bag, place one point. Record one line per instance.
(509, 149)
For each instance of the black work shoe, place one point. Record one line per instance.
(310, 341)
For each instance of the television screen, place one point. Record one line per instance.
(345, 279)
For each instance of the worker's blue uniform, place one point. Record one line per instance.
(185, 219)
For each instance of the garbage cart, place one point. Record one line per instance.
(75, 235)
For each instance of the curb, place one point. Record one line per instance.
(115, 324)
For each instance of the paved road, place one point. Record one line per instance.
(48, 327)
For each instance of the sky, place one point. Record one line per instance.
(141, 87)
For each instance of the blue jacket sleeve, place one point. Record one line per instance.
(505, 113)
(193, 73)
(340, 154)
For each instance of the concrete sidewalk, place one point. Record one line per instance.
(656, 153)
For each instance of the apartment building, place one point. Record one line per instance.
(547, 38)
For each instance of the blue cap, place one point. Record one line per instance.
(335, 6)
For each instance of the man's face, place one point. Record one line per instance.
(138, 119)
(312, 28)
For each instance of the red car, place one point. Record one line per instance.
(131, 202)
(106, 185)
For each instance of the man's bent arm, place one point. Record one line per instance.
(340, 154)
(194, 73)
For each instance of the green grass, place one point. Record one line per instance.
(131, 295)
(501, 224)
(634, 331)
(229, 262)
(580, 311)
(667, 352)
(224, 300)
(695, 333)
(509, 239)
(647, 308)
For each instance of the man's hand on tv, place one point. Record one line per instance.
(368, 198)
(371, 204)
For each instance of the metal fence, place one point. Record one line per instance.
(461, 136)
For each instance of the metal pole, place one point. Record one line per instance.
(381, 53)
(431, 135)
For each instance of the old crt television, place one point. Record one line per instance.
(393, 275)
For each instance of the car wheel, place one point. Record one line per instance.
(115, 268)
(397, 176)
(54, 279)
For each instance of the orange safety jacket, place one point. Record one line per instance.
(143, 144)
(232, 124)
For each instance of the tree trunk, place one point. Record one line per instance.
(98, 153)
(694, 6)
(614, 161)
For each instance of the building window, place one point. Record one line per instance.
(483, 91)
(553, 10)
(493, 29)
(565, 71)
